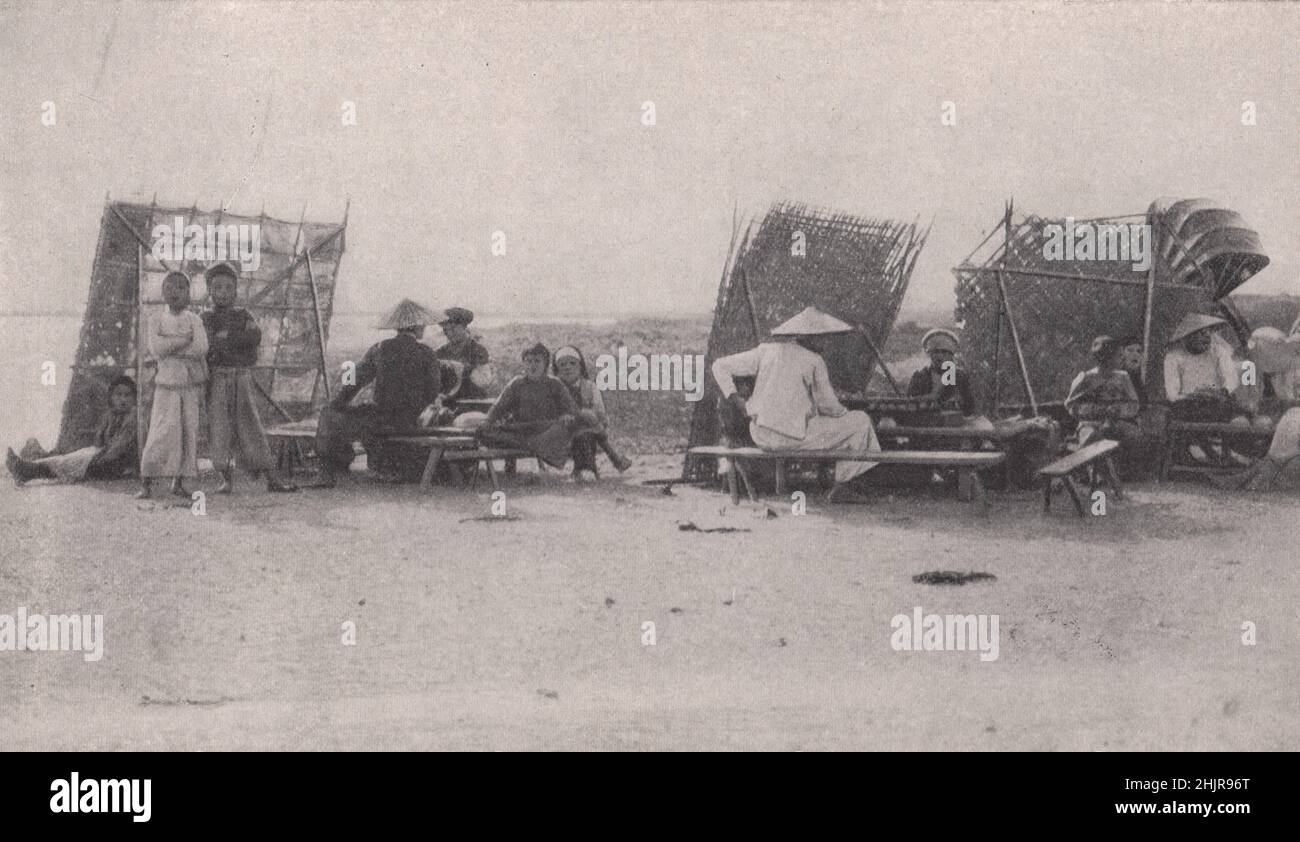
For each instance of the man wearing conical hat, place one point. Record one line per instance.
(793, 405)
(406, 380)
(1200, 375)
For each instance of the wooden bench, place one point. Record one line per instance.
(1214, 437)
(967, 463)
(288, 441)
(1094, 461)
(445, 447)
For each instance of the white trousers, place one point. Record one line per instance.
(850, 431)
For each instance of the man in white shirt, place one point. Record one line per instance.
(793, 405)
(1200, 374)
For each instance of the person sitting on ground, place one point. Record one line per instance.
(462, 347)
(111, 456)
(406, 380)
(535, 412)
(571, 369)
(943, 380)
(1104, 401)
(793, 405)
(178, 342)
(1200, 376)
(233, 421)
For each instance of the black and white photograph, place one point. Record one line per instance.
(649, 376)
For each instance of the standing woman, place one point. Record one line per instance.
(177, 340)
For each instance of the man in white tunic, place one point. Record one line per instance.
(793, 405)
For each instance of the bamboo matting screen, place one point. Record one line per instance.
(854, 268)
(278, 293)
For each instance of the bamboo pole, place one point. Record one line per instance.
(1146, 320)
(880, 360)
(320, 328)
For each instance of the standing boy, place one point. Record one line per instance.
(233, 338)
(178, 343)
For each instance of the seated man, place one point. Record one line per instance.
(793, 405)
(1200, 377)
(1104, 401)
(535, 412)
(461, 347)
(113, 455)
(942, 379)
(407, 380)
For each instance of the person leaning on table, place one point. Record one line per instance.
(793, 406)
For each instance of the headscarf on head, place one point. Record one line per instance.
(569, 352)
(940, 338)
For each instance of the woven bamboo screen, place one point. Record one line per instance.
(854, 268)
(1059, 306)
(278, 293)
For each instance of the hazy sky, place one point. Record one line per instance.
(527, 119)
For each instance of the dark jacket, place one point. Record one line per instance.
(925, 381)
(117, 440)
(406, 377)
(472, 355)
(239, 349)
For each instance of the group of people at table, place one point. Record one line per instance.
(554, 404)
(793, 405)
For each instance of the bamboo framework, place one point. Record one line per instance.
(854, 268)
(1017, 304)
(291, 302)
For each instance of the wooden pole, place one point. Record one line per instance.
(1006, 308)
(880, 360)
(320, 327)
(1146, 320)
(1015, 342)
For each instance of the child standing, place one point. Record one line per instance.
(571, 369)
(178, 342)
(233, 338)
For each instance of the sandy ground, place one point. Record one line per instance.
(224, 631)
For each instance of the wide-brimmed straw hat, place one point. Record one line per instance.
(1193, 323)
(409, 314)
(811, 322)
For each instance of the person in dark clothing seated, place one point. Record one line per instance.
(942, 379)
(406, 380)
(461, 347)
(535, 412)
(1106, 404)
(114, 453)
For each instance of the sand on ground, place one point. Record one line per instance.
(226, 630)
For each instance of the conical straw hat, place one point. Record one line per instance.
(409, 314)
(1191, 323)
(811, 322)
